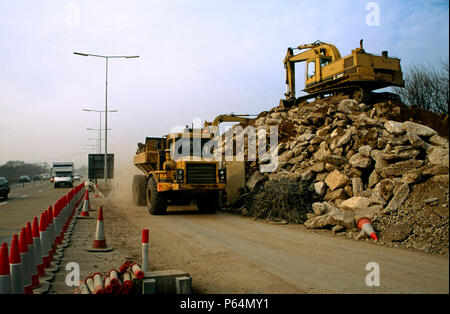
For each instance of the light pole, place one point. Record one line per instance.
(100, 127)
(99, 140)
(106, 101)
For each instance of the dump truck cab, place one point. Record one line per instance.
(177, 169)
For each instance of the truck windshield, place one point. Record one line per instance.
(63, 174)
(195, 147)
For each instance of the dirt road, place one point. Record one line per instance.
(227, 253)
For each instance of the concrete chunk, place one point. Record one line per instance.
(419, 129)
(393, 127)
(336, 180)
(398, 199)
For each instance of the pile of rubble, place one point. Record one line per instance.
(364, 161)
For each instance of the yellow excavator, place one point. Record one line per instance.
(327, 73)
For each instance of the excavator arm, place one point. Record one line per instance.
(315, 50)
(228, 118)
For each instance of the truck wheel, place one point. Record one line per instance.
(156, 201)
(208, 203)
(139, 189)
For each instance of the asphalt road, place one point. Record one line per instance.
(25, 202)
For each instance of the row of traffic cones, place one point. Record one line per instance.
(36, 254)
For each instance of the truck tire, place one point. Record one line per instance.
(156, 201)
(208, 203)
(139, 190)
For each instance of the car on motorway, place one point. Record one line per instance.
(4, 187)
(24, 179)
(37, 178)
(76, 177)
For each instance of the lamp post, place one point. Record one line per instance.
(100, 127)
(106, 101)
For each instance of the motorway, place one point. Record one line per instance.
(24, 202)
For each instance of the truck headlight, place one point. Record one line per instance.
(180, 175)
(222, 176)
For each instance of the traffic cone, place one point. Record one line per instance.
(15, 267)
(34, 273)
(99, 244)
(108, 286)
(96, 191)
(46, 243)
(86, 206)
(5, 273)
(98, 284)
(136, 269)
(125, 267)
(114, 277)
(26, 262)
(365, 225)
(89, 283)
(127, 283)
(38, 251)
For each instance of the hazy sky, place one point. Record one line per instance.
(197, 59)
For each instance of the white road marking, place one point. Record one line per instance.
(23, 196)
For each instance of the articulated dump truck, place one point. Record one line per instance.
(174, 175)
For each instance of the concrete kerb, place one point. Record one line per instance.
(170, 281)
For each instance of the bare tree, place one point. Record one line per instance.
(426, 87)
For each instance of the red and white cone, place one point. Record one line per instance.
(46, 244)
(113, 277)
(98, 284)
(90, 284)
(125, 267)
(127, 283)
(365, 225)
(145, 249)
(5, 273)
(108, 286)
(86, 207)
(38, 251)
(99, 244)
(34, 273)
(96, 191)
(26, 262)
(15, 267)
(137, 270)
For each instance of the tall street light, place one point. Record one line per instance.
(106, 101)
(100, 127)
(99, 140)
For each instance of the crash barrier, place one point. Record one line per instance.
(35, 255)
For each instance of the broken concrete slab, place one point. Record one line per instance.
(398, 199)
(336, 179)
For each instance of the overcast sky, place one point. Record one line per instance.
(197, 59)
